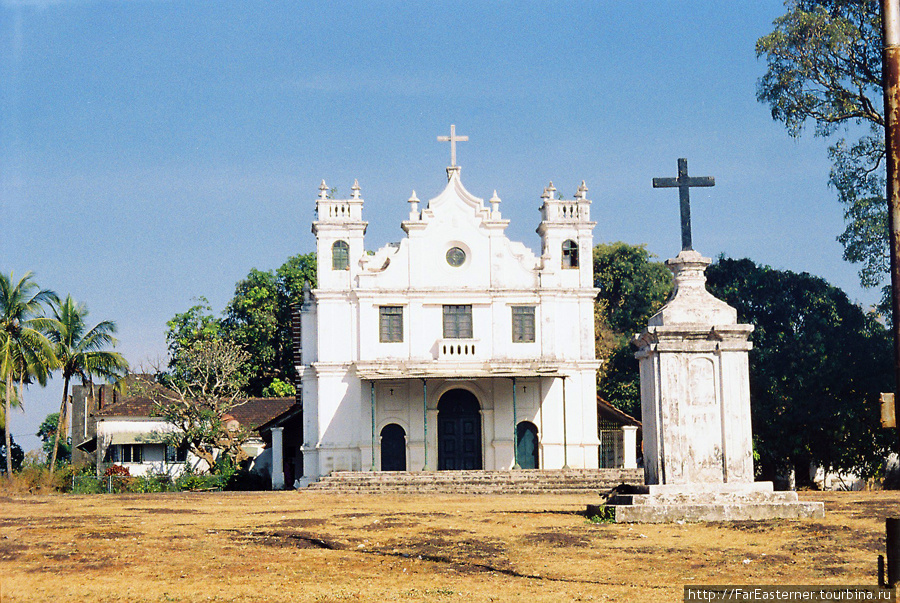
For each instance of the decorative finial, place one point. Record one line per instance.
(355, 188)
(546, 193)
(323, 190)
(413, 207)
(495, 203)
(582, 191)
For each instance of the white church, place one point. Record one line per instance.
(455, 348)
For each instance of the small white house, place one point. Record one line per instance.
(129, 434)
(455, 348)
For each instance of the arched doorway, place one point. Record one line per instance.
(393, 448)
(459, 431)
(527, 445)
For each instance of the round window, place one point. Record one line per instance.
(456, 257)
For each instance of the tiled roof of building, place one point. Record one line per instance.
(608, 411)
(250, 414)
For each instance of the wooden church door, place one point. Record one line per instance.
(527, 445)
(459, 431)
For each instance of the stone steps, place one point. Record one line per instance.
(562, 481)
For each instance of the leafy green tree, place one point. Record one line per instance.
(279, 389)
(817, 366)
(196, 324)
(82, 353)
(824, 67)
(632, 288)
(25, 352)
(251, 321)
(257, 320)
(295, 273)
(207, 384)
(48, 434)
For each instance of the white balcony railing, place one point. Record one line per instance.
(457, 349)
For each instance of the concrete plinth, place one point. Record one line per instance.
(695, 408)
(724, 502)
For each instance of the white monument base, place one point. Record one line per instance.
(705, 502)
(695, 408)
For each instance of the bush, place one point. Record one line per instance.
(248, 480)
(191, 480)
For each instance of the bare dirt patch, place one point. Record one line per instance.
(298, 547)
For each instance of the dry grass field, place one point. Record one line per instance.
(292, 547)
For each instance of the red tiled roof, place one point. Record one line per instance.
(250, 414)
(605, 409)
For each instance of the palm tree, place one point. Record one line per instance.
(16, 402)
(81, 353)
(25, 353)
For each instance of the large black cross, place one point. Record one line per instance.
(684, 182)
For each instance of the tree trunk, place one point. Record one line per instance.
(8, 438)
(59, 424)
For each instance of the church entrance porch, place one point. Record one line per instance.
(470, 422)
(459, 431)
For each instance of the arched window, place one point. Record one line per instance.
(570, 254)
(340, 256)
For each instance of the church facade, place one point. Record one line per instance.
(455, 348)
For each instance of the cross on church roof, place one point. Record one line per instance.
(452, 139)
(684, 182)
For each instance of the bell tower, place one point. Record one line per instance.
(340, 232)
(567, 239)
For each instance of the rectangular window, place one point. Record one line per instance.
(457, 322)
(176, 454)
(390, 325)
(523, 324)
(132, 453)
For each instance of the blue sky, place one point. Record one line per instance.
(152, 152)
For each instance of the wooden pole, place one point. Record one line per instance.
(892, 548)
(890, 20)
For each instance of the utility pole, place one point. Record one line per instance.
(890, 24)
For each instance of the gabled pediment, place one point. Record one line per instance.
(456, 197)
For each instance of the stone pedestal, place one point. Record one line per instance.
(695, 407)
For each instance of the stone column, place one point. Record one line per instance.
(629, 445)
(695, 390)
(277, 458)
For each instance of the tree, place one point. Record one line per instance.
(16, 402)
(196, 324)
(14, 461)
(206, 385)
(81, 353)
(251, 321)
(632, 288)
(817, 366)
(824, 66)
(257, 319)
(48, 432)
(25, 352)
